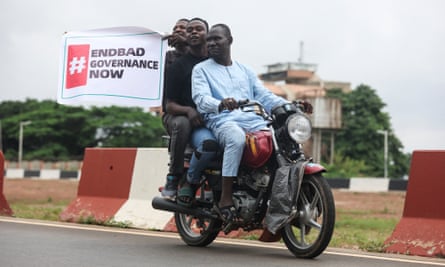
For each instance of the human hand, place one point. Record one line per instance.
(228, 103)
(176, 38)
(307, 107)
(194, 117)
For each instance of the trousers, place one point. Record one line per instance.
(201, 139)
(232, 138)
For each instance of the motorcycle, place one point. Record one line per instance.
(278, 189)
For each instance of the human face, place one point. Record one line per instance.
(218, 44)
(180, 27)
(179, 34)
(196, 33)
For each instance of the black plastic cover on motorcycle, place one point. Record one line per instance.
(285, 188)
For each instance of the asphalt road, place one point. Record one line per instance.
(41, 243)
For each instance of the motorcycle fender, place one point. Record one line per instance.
(311, 168)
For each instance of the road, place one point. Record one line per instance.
(42, 243)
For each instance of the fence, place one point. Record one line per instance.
(39, 165)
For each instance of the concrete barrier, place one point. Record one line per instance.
(49, 174)
(42, 174)
(369, 184)
(104, 185)
(118, 185)
(4, 206)
(149, 173)
(15, 173)
(421, 231)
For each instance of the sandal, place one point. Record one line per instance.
(227, 213)
(186, 195)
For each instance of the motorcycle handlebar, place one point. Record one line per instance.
(253, 106)
(243, 102)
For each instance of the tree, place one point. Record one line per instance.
(359, 139)
(127, 127)
(59, 132)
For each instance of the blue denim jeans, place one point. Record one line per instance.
(206, 147)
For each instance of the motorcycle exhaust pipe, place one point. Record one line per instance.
(160, 203)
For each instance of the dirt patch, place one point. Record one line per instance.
(387, 205)
(29, 190)
(381, 205)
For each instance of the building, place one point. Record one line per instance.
(297, 80)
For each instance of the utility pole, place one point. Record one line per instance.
(385, 156)
(22, 124)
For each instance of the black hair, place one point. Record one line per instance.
(225, 27)
(183, 19)
(202, 20)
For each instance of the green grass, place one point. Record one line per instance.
(363, 230)
(367, 234)
(43, 210)
(50, 211)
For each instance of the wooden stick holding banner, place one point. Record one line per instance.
(119, 66)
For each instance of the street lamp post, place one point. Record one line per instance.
(385, 134)
(22, 124)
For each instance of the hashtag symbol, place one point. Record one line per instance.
(77, 65)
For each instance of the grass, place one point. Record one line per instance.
(354, 229)
(49, 210)
(362, 231)
(42, 210)
(110, 222)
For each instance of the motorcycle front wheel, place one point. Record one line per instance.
(310, 232)
(198, 232)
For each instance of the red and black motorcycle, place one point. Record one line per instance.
(278, 189)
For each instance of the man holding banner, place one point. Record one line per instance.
(182, 120)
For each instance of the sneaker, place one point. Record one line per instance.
(171, 187)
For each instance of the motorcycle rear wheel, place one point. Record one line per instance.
(197, 232)
(308, 235)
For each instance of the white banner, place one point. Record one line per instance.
(121, 66)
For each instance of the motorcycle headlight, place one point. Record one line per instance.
(299, 127)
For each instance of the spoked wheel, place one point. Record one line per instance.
(195, 231)
(198, 231)
(310, 232)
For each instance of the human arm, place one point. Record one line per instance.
(202, 95)
(263, 95)
(192, 114)
(178, 95)
(271, 100)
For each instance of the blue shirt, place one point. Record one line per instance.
(212, 82)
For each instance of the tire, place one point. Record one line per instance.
(310, 232)
(197, 232)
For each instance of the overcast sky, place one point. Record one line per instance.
(395, 46)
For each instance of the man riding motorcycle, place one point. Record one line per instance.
(217, 84)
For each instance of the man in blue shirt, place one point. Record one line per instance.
(217, 85)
